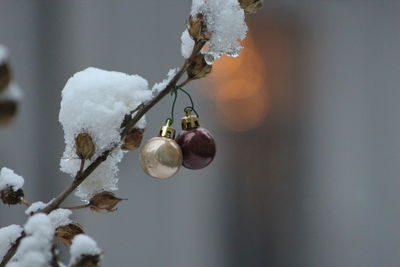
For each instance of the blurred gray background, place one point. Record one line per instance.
(306, 172)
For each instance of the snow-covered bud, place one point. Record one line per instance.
(251, 6)
(84, 146)
(133, 139)
(11, 197)
(198, 67)
(10, 186)
(66, 233)
(5, 76)
(84, 252)
(197, 27)
(8, 109)
(104, 202)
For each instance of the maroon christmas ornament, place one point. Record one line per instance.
(197, 144)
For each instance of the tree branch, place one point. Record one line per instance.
(11, 251)
(81, 176)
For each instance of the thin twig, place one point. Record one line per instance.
(25, 202)
(82, 165)
(79, 178)
(171, 86)
(185, 82)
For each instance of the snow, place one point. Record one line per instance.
(225, 21)
(4, 54)
(60, 217)
(30, 259)
(8, 235)
(35, 248)
(34, 207)
(187, 44)
(9, 179)
(158, 87)
(12, 92)
(83, 245)
(95, 101)
(103, 178)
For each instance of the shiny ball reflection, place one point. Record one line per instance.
(161, 157)
(198, 147)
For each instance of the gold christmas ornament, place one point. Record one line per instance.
(161, 156)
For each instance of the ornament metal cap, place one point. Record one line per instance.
(190, 121)
(167, 130)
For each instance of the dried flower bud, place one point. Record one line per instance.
(197, 27)
(198, 67)
(66, 233)
(84, 146)
(5, 76)
(104, 202)
(133, 139)
(8, 109)
(87, 261)
(251, 6)
(11, 197)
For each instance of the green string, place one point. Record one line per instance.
(173, 106)
(188, 95)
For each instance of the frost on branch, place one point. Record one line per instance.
(187, 44)
(8, 236)
(84, 250)
(224, 22)
(158, 87)
(95, 102)
(34, 207)
(35, 248)
(11, 187)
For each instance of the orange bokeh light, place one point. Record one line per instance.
(239, 89)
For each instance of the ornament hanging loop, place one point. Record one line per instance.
(189, 109)
(190, 99)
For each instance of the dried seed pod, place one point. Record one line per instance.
(87, 261)
(5, 76)
(84, 146)
(66, 233)
(133, 139)
(198, 67)
(197, 27)
(104, 202)
(251, 6)
(8, 109)
(11, 197)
